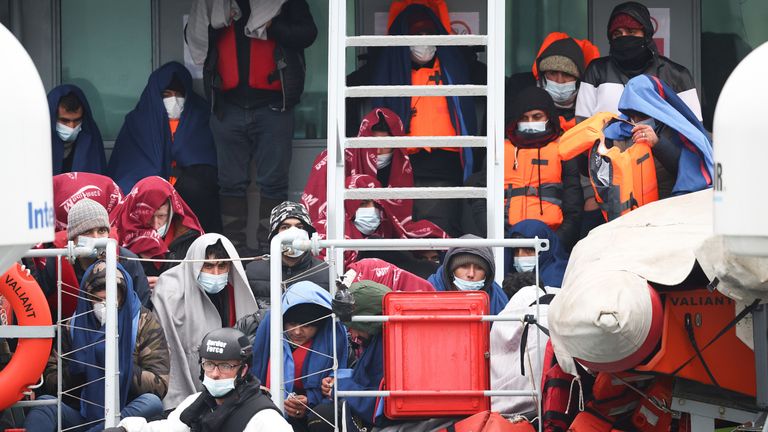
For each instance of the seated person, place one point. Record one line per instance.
(71, 187)
(155, 222)
(297, 265)
(368, 370)
(86, 219)
(309, 331)
(470, 269)
(552, 262)
(195, 297)
(76, 143)
(143, 357)
(538, 183)
(167, 135)
(231, 398)
(682, 150)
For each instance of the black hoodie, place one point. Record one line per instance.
(605, 71)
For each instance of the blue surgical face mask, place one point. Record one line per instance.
(465, 285)
(524, 264)
(367, 219)
(532, 127)
(211, 283)
(66, 133)
(562, 94)
(220, 387)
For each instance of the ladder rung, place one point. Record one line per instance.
(437, 40)
(419, 141)
(415, 193)
(416, 90)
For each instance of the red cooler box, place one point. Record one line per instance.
(448, 355)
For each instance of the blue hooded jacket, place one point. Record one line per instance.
(651, 96)
(87, 333)
(89, 147)
(144, 146)
(366, 375)
(316, 365)
(392, 66)
(552, 262)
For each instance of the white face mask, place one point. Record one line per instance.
(163, 230)
(220, 387)
(383, 160)
(532, 127)
(367, 219)
(174, 105)
(562, 94)
(100, 312)
(465, 285)
(423, 54)
(524, 263)
(66, 133)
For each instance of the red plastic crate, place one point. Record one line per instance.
(447, 355)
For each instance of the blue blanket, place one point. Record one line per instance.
(89, 147)
(144, 146)
(650, 96)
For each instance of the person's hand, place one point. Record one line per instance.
(644, 133)
(152, 281)
(327, 386)
(296, 406)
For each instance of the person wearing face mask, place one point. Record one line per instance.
(308, 348)
(297, 265)
(155, 222)
(538, 183)
(367, 372)
(552, 262)
(470, 269)
(167, 135)
(431, 116)
(143, 358)
(210, 291)
(76, 143)
(86, 220)
(231, 398)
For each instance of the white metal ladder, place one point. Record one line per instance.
(338, 42)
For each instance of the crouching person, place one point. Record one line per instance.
(144, 360)
(368, 370)
(231, 400)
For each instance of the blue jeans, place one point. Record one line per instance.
(261, 134)
(43, 419)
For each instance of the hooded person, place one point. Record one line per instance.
(155, 222)
(297, 265)
(69, 188)
(167, 135)
(76, 143)
(470, 269)
(308, 349)
(558, 69)
(552, 262)
(86, 219)
(367, 372)
(209, 292)
(682, 150)
(143, 358)
(633, 52)
(538, 183)
(231, 398)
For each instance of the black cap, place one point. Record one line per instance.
(225, 344)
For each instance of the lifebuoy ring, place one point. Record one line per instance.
(31, 309)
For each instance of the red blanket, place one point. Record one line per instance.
(71, 187)
(380, 271)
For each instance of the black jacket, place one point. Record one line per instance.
(293, 30)
(308, 268)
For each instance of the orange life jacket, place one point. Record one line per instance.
(262, 70)
(622, 180)
(533, 187)
(430, 115)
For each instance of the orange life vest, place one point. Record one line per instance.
(533, 187)
(622, 180)
(430, 115)
(262, 70)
